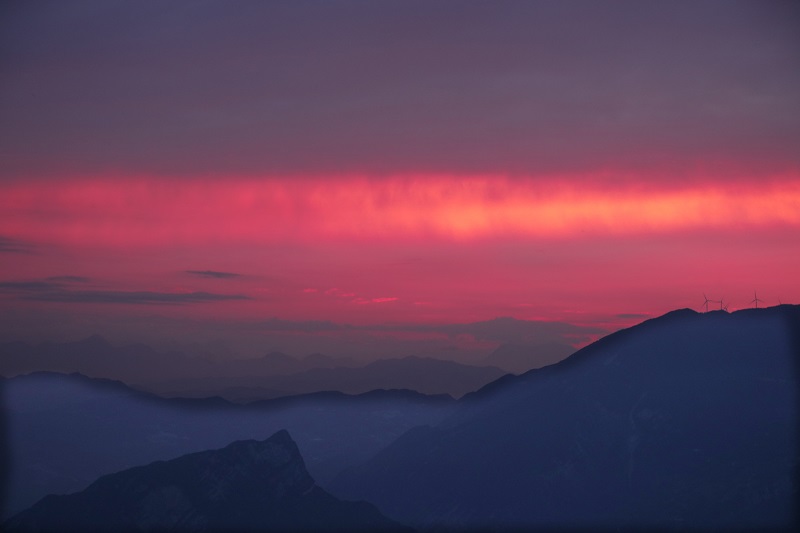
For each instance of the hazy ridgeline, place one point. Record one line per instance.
(65, 431)
(687, 421)
(246, 486)
(275, 374)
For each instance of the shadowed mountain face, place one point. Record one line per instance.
(246, 486)
(63, 432)
(517, 358)
(685, 421)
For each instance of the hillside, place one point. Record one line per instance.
(246, 486)
(63, 432)
(684, 421)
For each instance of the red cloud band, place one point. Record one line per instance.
(144, 212)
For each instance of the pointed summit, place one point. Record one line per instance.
(246, 486)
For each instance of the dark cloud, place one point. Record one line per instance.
(213, 274)
(295, 337)
(306, 326)
(52, 291)
(469, 86)
(503, 330)
(14, 246)
(69, 279)
(28, 286)
(512, 331)
(133, 297)
(632, 315)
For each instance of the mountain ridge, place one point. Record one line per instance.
(684, 419)
(63, 431)
(271, 376)
(220, 402)
(246, 486)
(426, 375)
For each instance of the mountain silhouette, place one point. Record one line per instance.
(96, 357)
(64, 431)
(422, 374)
(687, 421)
(139, 363)
(246, 486)
(272, 375)
(516, 358)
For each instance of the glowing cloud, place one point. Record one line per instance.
(143, 212)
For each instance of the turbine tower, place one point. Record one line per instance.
(706, 302)
(755, 300)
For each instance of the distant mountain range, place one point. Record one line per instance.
(684, 422)
(242, 380)
(246, 486)
(687, 421)
(422, 374)
(139, 363)
(64, 431)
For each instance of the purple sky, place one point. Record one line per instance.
(322, 88)
(399, 170)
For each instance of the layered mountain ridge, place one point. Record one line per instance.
(273, 375)
(684, 421)
(246, 486)
(65, 431)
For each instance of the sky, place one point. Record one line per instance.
(390, 178)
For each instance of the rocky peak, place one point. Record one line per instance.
(247, 485)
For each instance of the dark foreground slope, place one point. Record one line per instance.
(688, 421)
(246, 486)
(63, 432)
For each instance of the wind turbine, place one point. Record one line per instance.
(720, 304)
(756, 300)
(706, 302)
